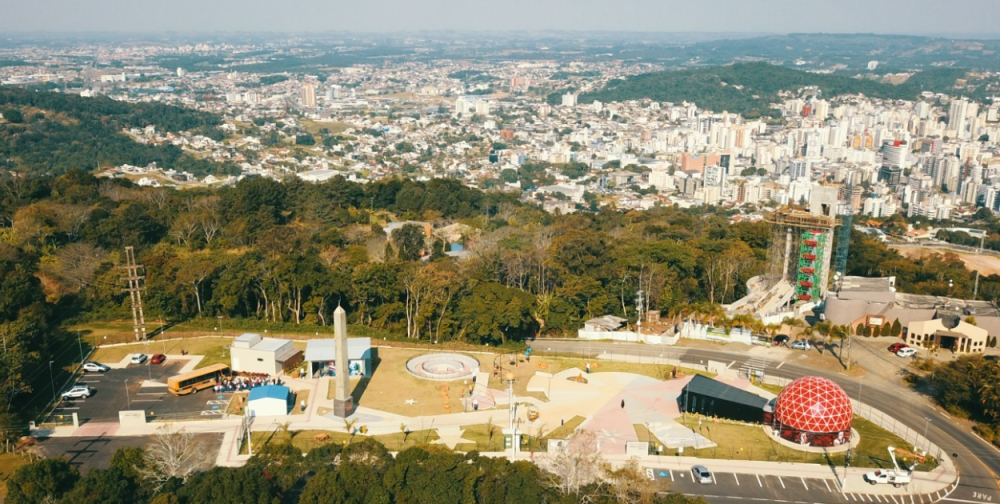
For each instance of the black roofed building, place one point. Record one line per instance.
(709, 397)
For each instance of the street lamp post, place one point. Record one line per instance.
(220, 324)
(927, 422)
(128, 400)
(52, 381)
(79, 341)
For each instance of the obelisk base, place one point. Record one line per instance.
(343, 409)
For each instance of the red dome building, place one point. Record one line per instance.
(812, 411)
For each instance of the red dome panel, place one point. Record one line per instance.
(814, 404)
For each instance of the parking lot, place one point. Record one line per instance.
(122, 389)
(95, 452)
(733, 487)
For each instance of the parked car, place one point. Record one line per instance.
(139, 358)
(94, 367)
(781, 339)
(907, 352)
(801, 345)
(701, 474)
(895, 347)
(158, 358)
(77, 392)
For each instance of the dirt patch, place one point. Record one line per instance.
(984, 264)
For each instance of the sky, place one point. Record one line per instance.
(927, 17)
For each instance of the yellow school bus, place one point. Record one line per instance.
(199, 379)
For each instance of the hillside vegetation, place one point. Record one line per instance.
(53, 133)
(750, 88)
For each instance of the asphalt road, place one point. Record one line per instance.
(978, 462)
(109, 395)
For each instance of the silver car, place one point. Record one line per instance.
(77, 392)
(701, 474)
(94, 367)
(139, 358)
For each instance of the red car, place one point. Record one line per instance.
(158, 358)
(895, 347)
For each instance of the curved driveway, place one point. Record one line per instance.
(978, 462)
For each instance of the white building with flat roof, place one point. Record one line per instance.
(251, 353)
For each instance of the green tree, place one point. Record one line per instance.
(104, 486)
(44, 480)
(493, 313)
(409, 239)
(896, 328)
(223, 485)
(13, 116)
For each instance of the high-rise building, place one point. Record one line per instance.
(309, 95)
(894, 153)
(957, 114)
(890, 174)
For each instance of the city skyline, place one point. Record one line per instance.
(916, 17)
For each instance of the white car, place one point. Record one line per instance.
(701, 474)
(77, 392)
(139, 358)
(907, 352)
(801, 345)
(93, 367)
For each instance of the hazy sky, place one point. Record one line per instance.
(779, 16)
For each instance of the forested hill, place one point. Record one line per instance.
(750, 88)
(47, 132)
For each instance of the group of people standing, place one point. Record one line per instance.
(241, 383)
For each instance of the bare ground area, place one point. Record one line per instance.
(984, 264)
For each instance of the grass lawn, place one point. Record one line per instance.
(391, 385)
(335, 127)
(9, 463)
(523, 371)
(645, 435)
(214, 349)
(566, 429)
(750, 442)
(297, 398)
(774, 389)
(237, 403)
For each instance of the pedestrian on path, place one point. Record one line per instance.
(623, 403)
(588, 368)
(475, 404)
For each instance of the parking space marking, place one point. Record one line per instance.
(151, 393)
(67, 407)
(894, 499)
(779, 365)
(145, 400)
(670, 474)
(216, 402)
(89, 381)
(737, 479)
(782, 482)
(804, 482)
(730, 364)
(758, 480)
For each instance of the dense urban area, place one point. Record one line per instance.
(608, 224)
